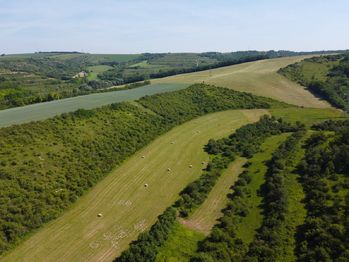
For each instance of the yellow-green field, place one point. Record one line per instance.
(259, 77)
(128, 206)
(206, 215)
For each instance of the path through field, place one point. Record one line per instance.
(127, 206)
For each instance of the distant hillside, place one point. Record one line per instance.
(45, 76)
(325, 76)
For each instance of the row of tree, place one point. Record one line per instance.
(268, 242)
(223, 244)
(145, 248)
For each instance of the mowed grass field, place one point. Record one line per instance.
(46, 110)
(203, 219)
(259, 77)
(126, 205)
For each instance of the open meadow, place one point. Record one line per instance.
(258, 77)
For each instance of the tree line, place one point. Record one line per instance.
(325, 171)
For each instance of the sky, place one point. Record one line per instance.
(138, 26)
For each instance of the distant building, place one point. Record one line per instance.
(81, 74)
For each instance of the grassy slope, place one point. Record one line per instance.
(206, 215)
(180, 246)
(249, 224)
(127, 206)
(258, 77)
(316, 71)
(308, 116)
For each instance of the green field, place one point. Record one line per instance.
(260, 78)
(180, 246)
(128, 207)
(308, 116)
(45, 110)
(247, 227)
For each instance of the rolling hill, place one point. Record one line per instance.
(231, 184)
(259, 78)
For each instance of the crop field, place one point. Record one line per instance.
(206, 215)
(129, 198)
(45, 110)
(259, 77)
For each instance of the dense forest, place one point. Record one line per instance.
(45, 166)
(325, 76)
(45, 76)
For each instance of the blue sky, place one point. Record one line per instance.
(136, 26)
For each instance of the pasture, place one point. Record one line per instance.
(126, 205)
(259, 77)
(46, 110)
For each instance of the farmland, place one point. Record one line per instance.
(86, 153)
(46, 76)
(127, 206)
(46, 110)
(174, 131)
(260, 78)
(96, 201)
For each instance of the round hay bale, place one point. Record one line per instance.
(145, 185)
(143, 156)
(191, 166)
(100, 215)
(168, 169)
